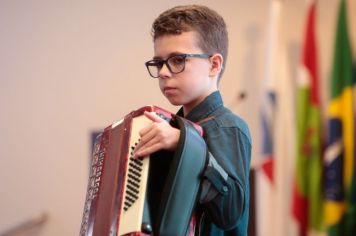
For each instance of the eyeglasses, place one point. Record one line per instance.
(175, 63)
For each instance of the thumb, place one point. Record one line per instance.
(153, 116)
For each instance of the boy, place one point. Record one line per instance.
(190, 50)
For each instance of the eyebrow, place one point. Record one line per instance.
(169, 55)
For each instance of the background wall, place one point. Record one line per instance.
(68, 68)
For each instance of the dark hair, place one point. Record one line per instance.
(210, 26)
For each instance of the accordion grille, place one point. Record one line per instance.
(133, 182)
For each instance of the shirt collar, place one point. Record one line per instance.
(205, 108)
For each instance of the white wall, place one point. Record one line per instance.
(68, 68)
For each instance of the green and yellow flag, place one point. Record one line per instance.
(340, 153)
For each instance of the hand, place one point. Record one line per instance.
(157, 136)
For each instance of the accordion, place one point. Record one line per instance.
(143, 196)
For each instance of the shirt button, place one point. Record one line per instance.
(225, 189)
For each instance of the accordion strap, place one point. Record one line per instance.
(183, 183)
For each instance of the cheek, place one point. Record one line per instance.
(197, 80)
(200, 72)
(160, 84)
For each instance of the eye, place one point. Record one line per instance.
(177, 60)
(156, 63)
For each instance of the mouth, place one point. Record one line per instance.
(169, 90)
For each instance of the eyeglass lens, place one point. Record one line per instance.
(175, 65)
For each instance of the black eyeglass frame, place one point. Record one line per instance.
(161, 62)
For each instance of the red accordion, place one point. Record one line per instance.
(144, 196)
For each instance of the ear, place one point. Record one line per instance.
(216, 61)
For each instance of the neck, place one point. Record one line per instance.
(190, 106)
(186, 110)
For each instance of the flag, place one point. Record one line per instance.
(268, 103)
(307, 193)
(340, 154)
(277, 132)
(265, 177)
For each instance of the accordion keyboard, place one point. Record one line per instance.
(135, 183)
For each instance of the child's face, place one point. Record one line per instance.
(191, 86)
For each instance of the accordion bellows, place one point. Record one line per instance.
(144, 196)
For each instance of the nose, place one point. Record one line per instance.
(164, 72)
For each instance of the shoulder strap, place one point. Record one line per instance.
(182, 185)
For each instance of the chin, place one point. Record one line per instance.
(175, 102)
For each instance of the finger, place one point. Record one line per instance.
(153, 116)
(150, 132)
(147, 137)
(148, 150)
(143, 132)
(144, 140)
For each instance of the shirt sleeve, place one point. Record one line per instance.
(215, 180)
(225, 187)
